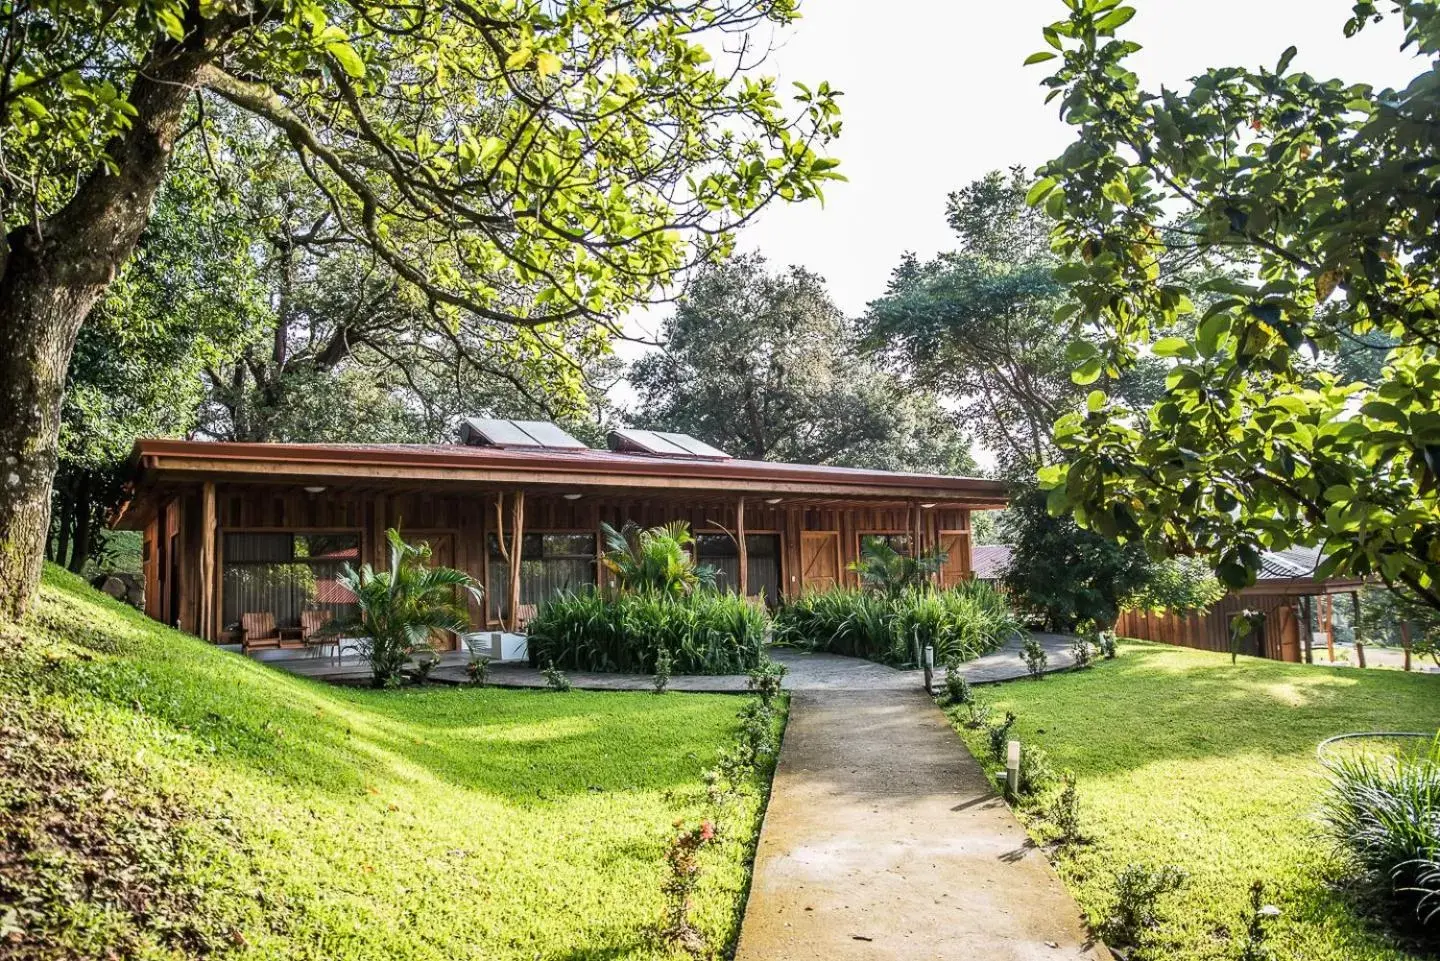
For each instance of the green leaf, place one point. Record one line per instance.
(519, 58)
(547, 64)
(1171, 347)
(1115, 18)
(1040, 191)
(1088, 372)
(346, 56)
(1339, 493)
(1040, 57)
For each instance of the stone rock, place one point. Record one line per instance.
(115, 587)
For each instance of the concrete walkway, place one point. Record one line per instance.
(883, 840)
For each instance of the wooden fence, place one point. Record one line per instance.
(1210, 630)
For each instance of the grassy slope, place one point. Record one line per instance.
(167, 797)
(1182, 758)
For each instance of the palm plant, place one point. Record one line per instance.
(401, 608)
(882, 568)
(656, 560)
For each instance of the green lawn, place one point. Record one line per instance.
(161, 798)
(1182, 758)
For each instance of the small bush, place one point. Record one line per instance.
(957, 688)
(1138, 889)
(555, 679)
(1105, 641)
(1036, 773)
(767, 680)
(1065, 811)
(478, 670)
(683, 860)
(979, 713)
(1256, 946)
(1082, 652)
(1032, 652)
(961, 623)
(999, 735)
(704, 632)
(1383, 812)
(664, 664)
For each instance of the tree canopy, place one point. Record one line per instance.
(1320, 192)
(535, 166)
(764, 365)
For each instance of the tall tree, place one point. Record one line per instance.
(763, 365)
(1325, 192)
(529, 163)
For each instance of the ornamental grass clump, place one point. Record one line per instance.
(703, 632)
(1383, 813)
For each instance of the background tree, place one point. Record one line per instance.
(1062, 575)
(763, 365)
(532, 164)
(1319, 189)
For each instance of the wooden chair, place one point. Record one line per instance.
(260, 631)
(312, 630)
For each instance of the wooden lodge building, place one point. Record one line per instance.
(239, 530)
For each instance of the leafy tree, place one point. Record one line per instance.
(763, 366)
(528, 163)
(1319, 189)
(1062, 575)
(1179, 585)
(400, 609)
(658, 560)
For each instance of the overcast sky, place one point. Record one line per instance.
(936, 95)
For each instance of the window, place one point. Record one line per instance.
(286, 573)
(762, 554)
(549, 564)
(900, 543)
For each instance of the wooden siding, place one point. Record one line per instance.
(469, 518)
(1210, 630)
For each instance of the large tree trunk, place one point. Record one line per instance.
(53, 273)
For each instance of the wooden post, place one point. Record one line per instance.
(207, 562)
(1330, 626)
(517, 532)
(1306, 632)
(1405, 641)
(1355, 624)
(744, 553)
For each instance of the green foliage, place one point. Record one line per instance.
(1032, 652)
(555, 679)
(1310, 190)
(657, 560)
(705, 632)
(1036, 771)
(1064, 811)
(1136, 909)
(1256, 946)
(401, 608)
(478, 670)
(764, 365)
(962, 622)
(1383, 812)
(1062, 575)
(998, 736)
(664, 667)
(883, 568)
(766, 680)
(190, 778)
(1178, 585)
(957, 688)
(1226, 787)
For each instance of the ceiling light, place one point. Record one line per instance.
(773, 500)
(573, 497)
(315, 490)
(926, 506)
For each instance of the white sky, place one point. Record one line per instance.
(935, 95)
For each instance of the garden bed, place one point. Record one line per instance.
(1182, 758)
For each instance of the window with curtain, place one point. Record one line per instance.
(284, 573)
(763, 561)
(549, 564)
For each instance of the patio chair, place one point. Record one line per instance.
(313, 632)
(260, 632)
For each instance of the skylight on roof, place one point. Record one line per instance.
(519, 434)
(662, 444)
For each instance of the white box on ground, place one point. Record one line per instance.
(503, 645)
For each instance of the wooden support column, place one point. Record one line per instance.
(1405, 641)
(744, 552)
(1330, 627)
(1307, 633)
(517, 533)
(206, 619)
(1355, 626)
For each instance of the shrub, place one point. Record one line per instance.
(1036, 774)
(657, 560)
(961, 623)
(882, 568)
(1384, 813)
(1032, 652)
(1138, 889)
(999, 735)
(1081, 652)
(705, 632)
(767, 680)
(555, 679)
(957, 688)
(1065, 811)
(478, 670)
(664, 665)
(682, 858)
(1105, 641)
(1256, 945)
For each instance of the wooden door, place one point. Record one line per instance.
(955, 545)
(819, 560)
(1287, 630)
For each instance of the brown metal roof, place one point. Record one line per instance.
(547, 466)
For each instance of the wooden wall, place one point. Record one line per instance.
(1210, 630)
(465, 520)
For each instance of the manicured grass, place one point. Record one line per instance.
(228, 807)
(1182, 758)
